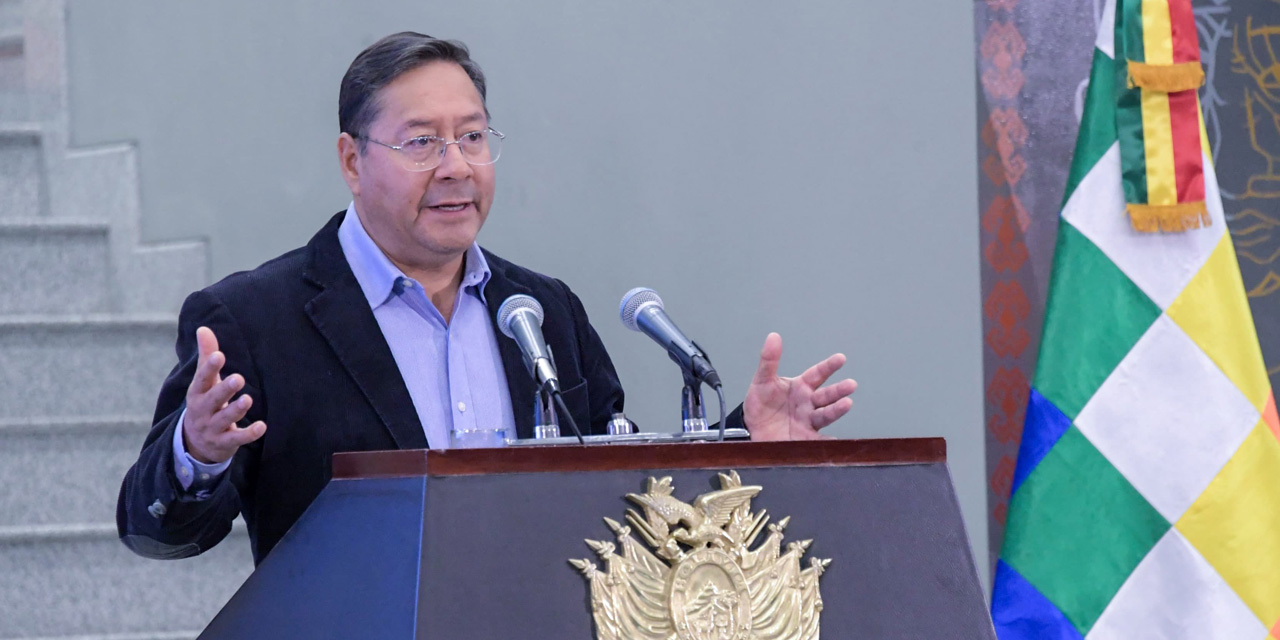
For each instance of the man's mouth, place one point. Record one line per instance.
(450, 207)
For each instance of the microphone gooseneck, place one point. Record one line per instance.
(520, 318)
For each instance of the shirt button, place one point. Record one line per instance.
(204, 476)
(462, 406)
(185, 472)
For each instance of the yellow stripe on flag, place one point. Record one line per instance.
(1157, 32)
(1157, 133)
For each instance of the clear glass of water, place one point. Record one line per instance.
(477, 438)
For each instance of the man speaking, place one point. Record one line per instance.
(380, 332)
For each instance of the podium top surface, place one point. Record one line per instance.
(463, 462)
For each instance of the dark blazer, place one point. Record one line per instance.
(323, 379)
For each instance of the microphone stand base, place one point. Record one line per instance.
(546, 431)
(633, 438)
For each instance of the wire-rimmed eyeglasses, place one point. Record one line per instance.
(424, 153)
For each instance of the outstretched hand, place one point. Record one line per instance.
(779, 408)
(209, 430)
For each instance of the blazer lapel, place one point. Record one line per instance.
(519, 383)
(342, 315)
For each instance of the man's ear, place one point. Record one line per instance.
(349, 161)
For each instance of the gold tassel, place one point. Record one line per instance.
(1170, 218)
(1167, 78)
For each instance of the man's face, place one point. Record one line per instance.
(428, 218)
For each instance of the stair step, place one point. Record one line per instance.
(161, 276)
(20, 227)
(21, 166)
(11, 16)
(53, 266)
(79, 580)
(13, 68)
(11, 40)
(65, 471)
(70, 366)
(103, 181)
(14, 104)
(162, 635)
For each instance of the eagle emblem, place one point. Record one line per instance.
(702, 576)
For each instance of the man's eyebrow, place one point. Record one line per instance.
(419, 123)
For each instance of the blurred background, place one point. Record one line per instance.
(807, 169)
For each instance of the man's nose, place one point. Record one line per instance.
(453, 165)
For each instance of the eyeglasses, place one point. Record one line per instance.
(425, 153)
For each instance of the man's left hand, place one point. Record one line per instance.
(779, 408)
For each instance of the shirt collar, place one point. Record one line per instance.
(378, 276)
(477, 272)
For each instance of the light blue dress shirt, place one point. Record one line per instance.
(453, 369)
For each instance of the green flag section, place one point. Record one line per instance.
(1146, 499)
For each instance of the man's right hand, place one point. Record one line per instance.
(209, 430)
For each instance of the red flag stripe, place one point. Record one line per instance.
(1186, 42)
(1184, 116)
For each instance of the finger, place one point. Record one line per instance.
(830, 393)
(207, 373)
(217, 397)
(817, 374)
(229, 415)
(830, 413)
(238, 437)
(206, 342)
(770, 355)
(209, 360)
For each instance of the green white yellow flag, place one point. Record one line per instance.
(1146, 500)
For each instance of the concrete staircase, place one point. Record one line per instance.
(87, 326)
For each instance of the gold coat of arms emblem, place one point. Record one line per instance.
(702, 576)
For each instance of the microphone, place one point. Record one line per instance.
(520, 318)
(641, 310)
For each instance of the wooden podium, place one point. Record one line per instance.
(474, 544)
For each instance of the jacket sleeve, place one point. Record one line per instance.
(155, 517)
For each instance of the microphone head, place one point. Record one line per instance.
(513, 305)
(635, 300)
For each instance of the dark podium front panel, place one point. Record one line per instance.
(475, 544)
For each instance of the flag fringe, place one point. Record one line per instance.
(1153, 218)
(1167, 78)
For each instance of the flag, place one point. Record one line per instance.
(1146, 496)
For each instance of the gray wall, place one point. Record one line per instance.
(805, 168)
